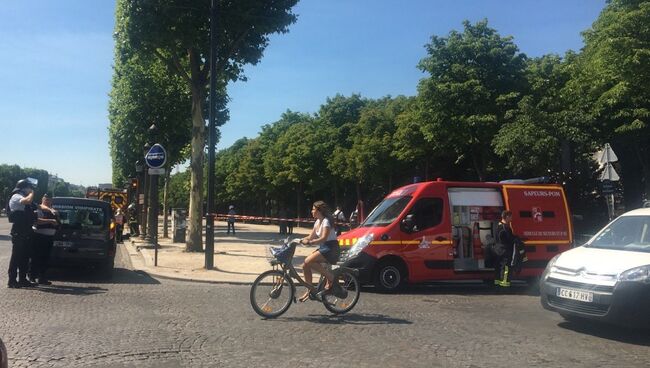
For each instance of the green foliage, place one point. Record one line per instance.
(612, 79)
(10, 174)
(484, 111)
(179, 189)
(475, 77)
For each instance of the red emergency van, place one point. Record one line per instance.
(442, 230)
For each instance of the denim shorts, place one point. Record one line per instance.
(330, 251)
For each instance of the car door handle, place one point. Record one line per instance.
(441, 238)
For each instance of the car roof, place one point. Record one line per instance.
(638, 212)
(80, 201)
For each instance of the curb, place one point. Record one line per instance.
(131, 247)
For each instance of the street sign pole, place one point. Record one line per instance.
(156, 159)
(608, 178)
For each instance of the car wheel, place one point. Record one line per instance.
(389, 277)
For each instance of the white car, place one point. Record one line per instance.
(606, 279)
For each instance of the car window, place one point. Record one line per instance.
(387, 211)
(426, 213)
(625, 233)
(81, 217)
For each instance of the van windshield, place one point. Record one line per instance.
(81, 217)
(387, 211)
(631, 233)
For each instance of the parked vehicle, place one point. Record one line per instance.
(86, 236)
(606, 279)
(443, 230)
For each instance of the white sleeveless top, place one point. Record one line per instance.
(320, 226)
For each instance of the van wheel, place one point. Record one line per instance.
(389, 277)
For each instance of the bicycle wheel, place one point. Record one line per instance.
(271, 294)
(346, 297)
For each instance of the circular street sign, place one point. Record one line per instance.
(156, 157)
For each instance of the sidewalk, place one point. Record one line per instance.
(238, 259)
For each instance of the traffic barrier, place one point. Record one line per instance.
(225, 216)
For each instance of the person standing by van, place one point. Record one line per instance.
(119, 225)
(44, 230)
(503, 250)
(339, 217)
(22, 216)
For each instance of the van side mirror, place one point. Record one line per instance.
(408, 223)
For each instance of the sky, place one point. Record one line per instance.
(56, 62)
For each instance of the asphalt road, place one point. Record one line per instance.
(137, 321)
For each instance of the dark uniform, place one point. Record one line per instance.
(42, 246)
(22, 217)
(503, 250)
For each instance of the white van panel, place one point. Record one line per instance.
(483, 197)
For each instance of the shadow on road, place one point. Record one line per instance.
(609, 332)
(89, 275)
(350, 319)
(71, 290)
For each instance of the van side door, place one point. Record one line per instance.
(426, 238)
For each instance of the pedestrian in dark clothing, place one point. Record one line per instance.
(134, 228)
(22, 217)
(231, 219)
(504, 250)
(44, 230)
(290, 223)
(282, 221)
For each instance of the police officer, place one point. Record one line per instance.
(44, 230)
(119, 225)
(21, 214)
(504, 250)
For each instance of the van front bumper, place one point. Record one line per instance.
(363, 262)
(627, 303)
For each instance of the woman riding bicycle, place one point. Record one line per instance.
(328, 252)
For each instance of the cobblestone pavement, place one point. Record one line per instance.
(136, 321)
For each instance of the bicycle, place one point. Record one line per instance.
(274, 290)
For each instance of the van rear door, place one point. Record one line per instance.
(540, 217)
(84, 232)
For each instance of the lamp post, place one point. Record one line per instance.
(145, 192)
(139, 169)
(209, 221)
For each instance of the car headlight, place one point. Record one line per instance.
(550, 267)
(639, 274)
(360, 245)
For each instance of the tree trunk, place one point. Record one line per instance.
(194, 240)
(165, 209)
(642, 155)
(299, 201)
(477, 165)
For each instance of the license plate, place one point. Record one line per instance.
(62, 244)
(583, 296)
